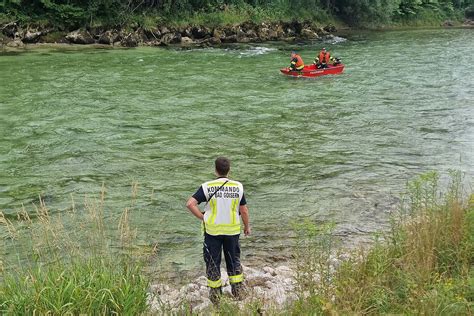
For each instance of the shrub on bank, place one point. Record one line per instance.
(422, 266)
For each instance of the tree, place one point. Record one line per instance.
(366, 12)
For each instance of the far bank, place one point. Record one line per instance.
(150, 24)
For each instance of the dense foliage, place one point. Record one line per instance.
(78, 13)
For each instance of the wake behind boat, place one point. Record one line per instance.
(311, 71)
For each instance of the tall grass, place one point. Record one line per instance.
(66, 264)
(422, 266)
(316, 243)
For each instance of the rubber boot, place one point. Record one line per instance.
(215, 295)
(237, 290)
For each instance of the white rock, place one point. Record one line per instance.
(159, 288)
(275, 286)
(15, 43)
(269, 270)
(204, 292)
(202, 280)
(344, 256)
(250, 271)
(334, 261)
(203, 306)
(186, 40)
(193, 297)
(284, 271)
(173, 294)
(291, 297)
(258, 291)
(224, 277)
(227, 290)
(317, 278)
(153, 303)
(269, 284)
(289, 281)
(191, 288)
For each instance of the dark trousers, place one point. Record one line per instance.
(213, 246)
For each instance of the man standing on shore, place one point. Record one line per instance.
(225, 205)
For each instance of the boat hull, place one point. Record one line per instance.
(312, 72)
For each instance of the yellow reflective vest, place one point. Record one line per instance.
(221, 212)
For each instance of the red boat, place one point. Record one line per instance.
(311, 71)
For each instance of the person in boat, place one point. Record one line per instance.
(323, 59)
(225, 207)
(297, 63)
(336, 61)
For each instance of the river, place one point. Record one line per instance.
(337, 148)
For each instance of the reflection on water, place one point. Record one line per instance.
(337, 148)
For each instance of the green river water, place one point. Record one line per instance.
(337, 148)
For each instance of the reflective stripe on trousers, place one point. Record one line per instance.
(214, 284)
(236, 278)
(212, 250)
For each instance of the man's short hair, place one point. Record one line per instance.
(222, 166)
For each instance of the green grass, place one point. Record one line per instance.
(81, 287)
(65, 264)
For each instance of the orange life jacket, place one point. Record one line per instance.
(297, 61)
(324, 57)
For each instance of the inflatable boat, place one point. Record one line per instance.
(311, 71)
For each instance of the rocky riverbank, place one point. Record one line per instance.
(15, 35)
(275, 287)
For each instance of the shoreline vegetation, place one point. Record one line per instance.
(131, 23)
(422, 265)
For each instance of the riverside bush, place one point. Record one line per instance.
(422, 266)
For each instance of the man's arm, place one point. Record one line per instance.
(192, 205)
(293, 63)
(244, 213)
